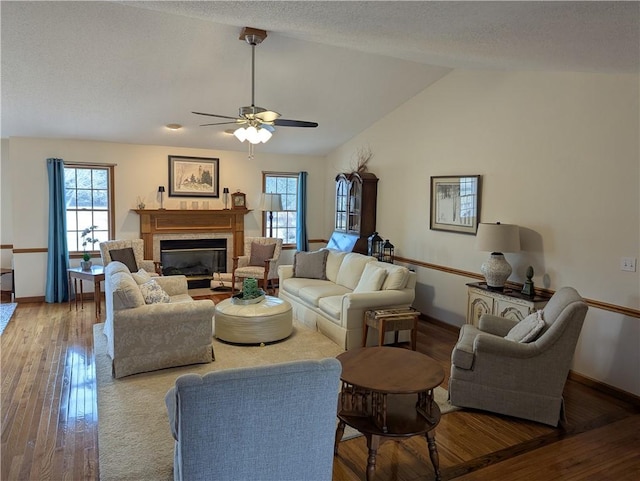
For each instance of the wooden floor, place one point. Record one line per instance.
(49, 419)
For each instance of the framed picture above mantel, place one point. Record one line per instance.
(194, 176)
(455, 203)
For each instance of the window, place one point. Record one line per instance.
(285, 222)
(88, 196)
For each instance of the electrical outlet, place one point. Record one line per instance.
(628, 264)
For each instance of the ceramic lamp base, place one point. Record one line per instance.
(496, 271)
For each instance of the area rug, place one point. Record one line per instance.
(134, 441)
(6, 311)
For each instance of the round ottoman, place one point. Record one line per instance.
(267, 321)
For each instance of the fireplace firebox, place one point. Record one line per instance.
(197, 259)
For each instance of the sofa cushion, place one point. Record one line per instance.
(153, 293)
(126, 293)
(351, 269)
(397, 277)
(372, 278)
(261, 253)
(141, 276)
(125, 256)
(294, 284)
(313, 294)
(528, 329)
(332, 307)
(311, 265)
(334, 261)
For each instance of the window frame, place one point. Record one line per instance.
(265, 219)
(110, 168)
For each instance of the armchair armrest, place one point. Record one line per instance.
(240, 261)
(496, 325)
(499, 346)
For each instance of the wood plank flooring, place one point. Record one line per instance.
(49, 419)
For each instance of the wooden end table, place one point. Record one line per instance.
(95, 275)
(387, 393)
(396, 320)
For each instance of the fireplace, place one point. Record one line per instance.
(198, 259)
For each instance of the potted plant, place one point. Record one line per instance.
(250, 294)
(87, 238)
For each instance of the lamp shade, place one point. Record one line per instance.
(498, 238)
(161, 188)
(271, 202)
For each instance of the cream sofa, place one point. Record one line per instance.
(173, 331)
(336, 304)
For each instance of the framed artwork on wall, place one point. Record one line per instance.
(193, 176)
(455, 203)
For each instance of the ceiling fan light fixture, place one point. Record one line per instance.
(241, 134)
(264, 135)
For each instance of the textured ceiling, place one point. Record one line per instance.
(120, 71)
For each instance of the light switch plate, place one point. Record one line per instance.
(628, 264)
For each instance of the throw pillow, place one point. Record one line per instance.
(528, 329)
(310, 265)
(153, 293)
(261, 253)
(372, 278)
(141, 276)
(126, 257)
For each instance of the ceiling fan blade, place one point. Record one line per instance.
(214, 115)
(222, 123)
(267, 115)
(294, 123)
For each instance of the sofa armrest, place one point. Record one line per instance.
(173, 285)
(285, 272)
(499, 326)
(355, 304)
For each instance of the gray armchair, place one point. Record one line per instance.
(524, 380)
(274, 422)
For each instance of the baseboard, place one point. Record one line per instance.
(29, 299)
(605, 388)
(439, 323)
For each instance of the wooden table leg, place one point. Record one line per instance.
(433, 453)
(96, 298)
(365, 331)
(339, 434)
(69, 284)
(373, 442)
(381, 331)
(414, 333)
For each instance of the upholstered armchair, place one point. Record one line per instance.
(269, 423)
(492, 371)
(260, 260)
(118, 250)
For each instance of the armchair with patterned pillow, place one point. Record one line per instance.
(260, 260)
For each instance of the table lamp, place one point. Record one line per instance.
(271, 203)
(497, 238)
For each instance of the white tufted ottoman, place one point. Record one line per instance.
(267, 321)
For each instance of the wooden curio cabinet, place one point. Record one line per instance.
(356, 199)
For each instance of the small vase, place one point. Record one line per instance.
(86, 265)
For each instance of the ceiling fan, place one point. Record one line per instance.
(256, 124)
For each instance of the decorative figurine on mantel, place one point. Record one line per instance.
(528, 289)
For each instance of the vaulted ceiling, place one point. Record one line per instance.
(121, 71)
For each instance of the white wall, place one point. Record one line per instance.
(559, 156)
(140, 170)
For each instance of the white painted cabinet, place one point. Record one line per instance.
(508, 303)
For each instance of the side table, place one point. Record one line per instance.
(96, 275)
(387, 394)
(390, 320)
